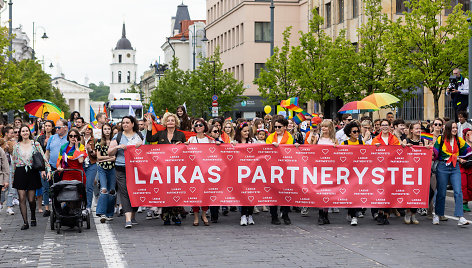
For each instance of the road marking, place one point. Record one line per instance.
(49, 247)
(109, 245)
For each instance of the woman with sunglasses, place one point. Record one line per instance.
(448, 150)
(49, 131)
(243, 135)
(438, 126)
(200, 127)
(26, 179)
(71, 156)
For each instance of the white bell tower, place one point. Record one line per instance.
(123, 66)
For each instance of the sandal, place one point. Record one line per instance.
(196, 223)
(205, 221)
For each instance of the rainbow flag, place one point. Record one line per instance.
(31, 127)
(299, 118)
(291, 104)
(427, 136)
(93, 120)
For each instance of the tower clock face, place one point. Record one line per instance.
(128, 55)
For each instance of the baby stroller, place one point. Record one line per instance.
(69, 202)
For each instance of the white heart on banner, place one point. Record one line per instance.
(380, 158)
(249, 150)
(213, 198)
(267, 157)
(267, 189)
(288, 198)
(400, 200)
(363, 199)
(155, 158)
(251, 198)
(325, 151)
(380, 191)
(417, 159)
(138, 151)
(156, 190)
(326, 199)
(416, 191)
(342, 190)
(304, 190)
(176, 198)
(399, 151)
(363, 151)
(192, 157)
(230, 157)
(287, 150)
(212, 149)
(305, 158)
(142, 198)
(192, 189)
(174, 150)
(230, 189)
(343, 159)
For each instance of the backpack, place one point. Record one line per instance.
(118, 137)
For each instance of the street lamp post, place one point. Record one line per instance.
(272, 7)
(34, 37)
(10, 29)
(194, 40)
(470, 61)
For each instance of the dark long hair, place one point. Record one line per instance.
(53, 131)
(134, 121)
(239, 129)
(448, 131)
(185, 123)
(103, 141)
(20, 138)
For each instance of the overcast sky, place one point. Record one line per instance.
(83, 33)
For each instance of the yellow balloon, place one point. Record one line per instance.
(267, 109)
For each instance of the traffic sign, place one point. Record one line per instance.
(214, 98)
(214, 103)
(214, 111)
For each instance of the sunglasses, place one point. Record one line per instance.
(438, 125)
(349, 120)
(278, 127)
(16, 132)
(215, 131)
(355, 131)
(384, 125)
(74, 136)
(59, 127)
(199, 125)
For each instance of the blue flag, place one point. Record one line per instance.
(131, 111)
(151, 110)
(93, 120)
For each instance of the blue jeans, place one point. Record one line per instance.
(45, 191)
(106, 201)
(90, 173)
(12, 193)
(443, 175)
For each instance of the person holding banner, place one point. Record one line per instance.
(280, 136)
(448, 150)
(129, 136)
(243, 135)
(200, 127)
(170, 135)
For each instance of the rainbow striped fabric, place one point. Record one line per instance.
(299, 118)
(427, 136)
(291, 104)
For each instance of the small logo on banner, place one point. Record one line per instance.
(363, 199)
(174, 150)
(138, 151)
(267, 189)
(343, 159)
(192, 157)
(380, 191)
(399, 151)
(287, 150)
(305, 158)
(212, 149)
(288, 198)
(213, 198)
(363, 151)
(230, 189)
(267, 157)
(342, 190)
(416, 191)
(142, 198)
(325, 151)
(400, 200)
(249, 150)
(156, 190)
(305, 190)
(251, 198)
(176, 198)
(417, 159)
(326, 199)
(230, 157)
(380, 158)
(192, 189)
(155, 158)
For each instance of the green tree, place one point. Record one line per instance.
(100, 91)
(425, 50)
(277, 81)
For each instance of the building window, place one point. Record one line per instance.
(328, 15)
(262, 32)
(119, 76)
(341, 10)
(242, 33)
(128, 77)
(241, 77)
(119, 58)
(257, 69)
(355, 8)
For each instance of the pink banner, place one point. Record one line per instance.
(259, 174)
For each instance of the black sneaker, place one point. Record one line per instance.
(177, 221)
(326, 220)
(214, 220)
(286, 219)
(233, 209)
(47, 213)
(167, 222)
(320, 221)
(275, 221)
(381, 219)
(225, 213)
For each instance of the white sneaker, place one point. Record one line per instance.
(250, 220)
(360, 214)
(149, 215)
(10, 211)
(330, 210)
(335, 210)
(15, 202)
(435, 219)
(140, 209)
(354, 221)
(407, 218)
(304, 212)
(243, 220)
(256, 210)
(414, 220)
(108, 218)
(462, 222)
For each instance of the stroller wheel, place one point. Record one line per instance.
(79, 225)
(58, 227)
(52, 220)
(88, 221)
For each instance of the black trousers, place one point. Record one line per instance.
(353, 211)
(283, 209)
(247, 210)
(214, 212)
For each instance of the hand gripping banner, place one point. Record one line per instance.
(259, 174)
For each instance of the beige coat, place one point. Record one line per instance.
(4, 168)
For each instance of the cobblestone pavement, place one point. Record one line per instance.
(226, 244)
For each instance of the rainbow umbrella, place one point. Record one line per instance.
(355, 107)
(39, 107)
(381, 99)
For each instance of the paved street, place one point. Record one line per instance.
(226, 244)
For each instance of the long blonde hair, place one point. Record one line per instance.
(331, 131)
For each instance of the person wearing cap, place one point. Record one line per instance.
(466, 173)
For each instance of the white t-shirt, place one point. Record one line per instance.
(340, 136)
(205, 139)
(97, 133)
(385, 139)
